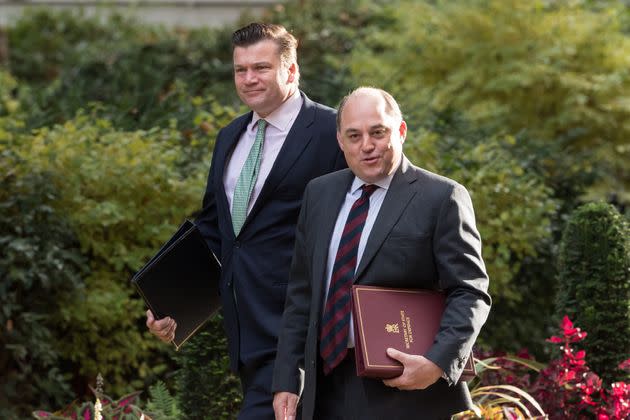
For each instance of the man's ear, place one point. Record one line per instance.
(339, 140)
(402, 130)
(292, 73)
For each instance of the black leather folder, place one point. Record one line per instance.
(182, 282)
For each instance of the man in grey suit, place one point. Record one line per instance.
(382, 222)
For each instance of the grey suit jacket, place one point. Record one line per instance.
(424, 237)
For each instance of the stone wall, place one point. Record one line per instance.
(186, 13)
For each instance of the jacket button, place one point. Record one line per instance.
(237, 244)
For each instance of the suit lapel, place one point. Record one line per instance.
(297, 139)
(224, 148)
(323, 230)
(398, 196)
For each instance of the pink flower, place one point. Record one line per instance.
(578, 337)
(568, 376)
(588, 400)
(566, 324)
(619, 389)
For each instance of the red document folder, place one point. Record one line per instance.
(405, 319)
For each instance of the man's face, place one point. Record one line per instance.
(370, 138)
(262, 81)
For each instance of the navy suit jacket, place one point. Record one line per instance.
(256, 263)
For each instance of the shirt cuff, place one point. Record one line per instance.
(447, 379)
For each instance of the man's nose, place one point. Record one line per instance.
(250, 77)
(366, 143)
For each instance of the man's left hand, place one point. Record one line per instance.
(419, 372)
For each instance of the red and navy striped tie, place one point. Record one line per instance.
(333, 345)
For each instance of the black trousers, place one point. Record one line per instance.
(257, 396)
(334, 392)
(342, 395)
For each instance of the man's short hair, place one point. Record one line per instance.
(391, 106)
(256, 32)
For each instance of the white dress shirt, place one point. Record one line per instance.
(279, 122)
(376, 200)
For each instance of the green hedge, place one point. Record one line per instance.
(141, 76)
(594, 284)
(207, 389)
(118, 195)
(557, 72)
(42, 271)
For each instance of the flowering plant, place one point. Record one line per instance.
(499, 392)
(105, 408)
(567, 388)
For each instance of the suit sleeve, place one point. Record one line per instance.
(462, 274)
(292, 337)
(207, 219)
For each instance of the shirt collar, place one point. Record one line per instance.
(282, 116)
(384, 183)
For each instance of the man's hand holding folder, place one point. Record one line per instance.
(180, 285)
(419, 372)
(164, 328)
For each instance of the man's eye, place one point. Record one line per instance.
(379, 133)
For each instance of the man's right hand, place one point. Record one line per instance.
(164, 329)
(285, 405)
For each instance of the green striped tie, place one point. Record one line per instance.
(247, 179)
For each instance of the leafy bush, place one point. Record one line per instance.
(8, 101)
(495, 180)
(162, 405)
(142, 76)
(206, 387)
(42, 272)
(143, 84)
(45, 42)
(557, 72)
(123, 194)
(594, 283)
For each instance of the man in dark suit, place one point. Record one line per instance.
(261, 164)
(381, 222)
